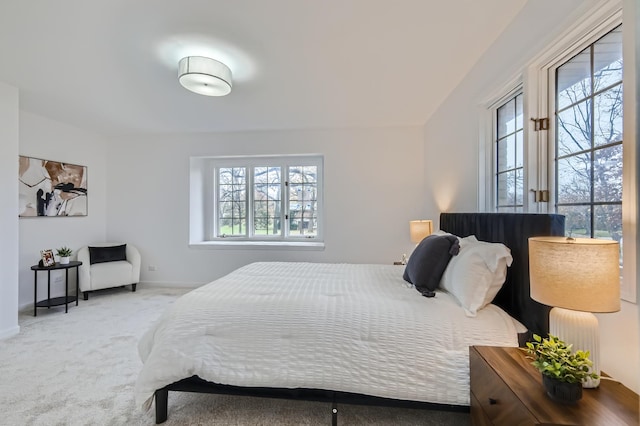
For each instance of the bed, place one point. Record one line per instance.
(341, 332)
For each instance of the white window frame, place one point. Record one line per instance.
(538, 93)
(551, 81)
(488, 148)
(203, 202)
(596, 24)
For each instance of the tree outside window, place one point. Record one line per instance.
(589, 140)
(266, 198)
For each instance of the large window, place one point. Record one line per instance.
(588, 145)
(558, 140)
(266, 198)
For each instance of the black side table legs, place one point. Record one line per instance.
(49, 302)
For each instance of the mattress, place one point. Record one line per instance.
(343, 327)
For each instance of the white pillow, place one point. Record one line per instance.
(477, 273)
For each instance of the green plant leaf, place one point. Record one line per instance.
(554, 358)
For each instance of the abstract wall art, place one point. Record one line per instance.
(51, 188)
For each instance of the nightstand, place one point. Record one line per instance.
(507, 390)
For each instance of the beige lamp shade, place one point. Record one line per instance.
(581, 274)
(419, 229)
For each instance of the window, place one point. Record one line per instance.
(588, 139)
(269, 199)
(509, 151)
(558, 141)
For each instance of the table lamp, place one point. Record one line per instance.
(576, 276)
(420, 229)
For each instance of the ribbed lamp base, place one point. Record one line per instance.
(581, 330)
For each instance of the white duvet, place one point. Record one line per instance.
(343, 327)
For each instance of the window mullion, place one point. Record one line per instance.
(249, 199)
(284, 202)
(592, 142)
(211, 208)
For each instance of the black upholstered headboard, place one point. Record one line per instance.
(513, 230)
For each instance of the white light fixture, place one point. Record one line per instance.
(204, 76)
(420, 229)
(577, 276)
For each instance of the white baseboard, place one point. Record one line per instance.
(5, 334)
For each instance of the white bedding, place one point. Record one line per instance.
(342, 327)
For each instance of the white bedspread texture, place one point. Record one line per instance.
(343, 327)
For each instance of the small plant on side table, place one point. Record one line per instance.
(563, 370)
(64, 252)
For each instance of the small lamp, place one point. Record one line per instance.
(420, 229)
(576, 277)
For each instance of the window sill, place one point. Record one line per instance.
(283, 245)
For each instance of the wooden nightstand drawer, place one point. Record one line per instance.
(507, 390)
(494, 397)
(478, 416)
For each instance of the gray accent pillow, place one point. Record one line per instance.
(107, 254)
(428, 262)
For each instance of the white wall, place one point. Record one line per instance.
(8, 210)
(452, 132)
(372, 186)
(51, 140)
(452, 141)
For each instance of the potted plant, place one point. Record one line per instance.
(563, 370)
(64, 253)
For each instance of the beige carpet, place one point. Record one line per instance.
(80, 368)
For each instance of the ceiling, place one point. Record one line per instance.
(110, 66)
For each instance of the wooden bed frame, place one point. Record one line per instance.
(511, 229)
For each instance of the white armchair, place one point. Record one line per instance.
(108, 269)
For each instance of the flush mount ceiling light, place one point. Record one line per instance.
(204, 76)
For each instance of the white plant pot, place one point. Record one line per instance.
(64, 260)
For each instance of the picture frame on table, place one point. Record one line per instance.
(47, 258)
